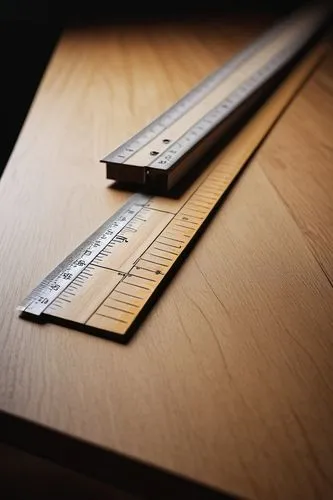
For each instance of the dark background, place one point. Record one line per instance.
(29, 31)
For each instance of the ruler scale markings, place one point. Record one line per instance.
(125, 150)
(140, 241)
(220, 93)
(64, 274)
(202, 89)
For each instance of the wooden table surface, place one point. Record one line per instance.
(229, 380)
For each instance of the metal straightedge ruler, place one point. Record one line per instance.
(164, 151)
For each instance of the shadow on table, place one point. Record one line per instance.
(40, 461)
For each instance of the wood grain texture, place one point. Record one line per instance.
(229, 380)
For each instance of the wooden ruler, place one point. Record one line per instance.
(106, 284)
(163, 152)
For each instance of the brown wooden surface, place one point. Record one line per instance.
(229, 379)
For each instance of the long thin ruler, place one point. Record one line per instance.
(163, 152)
(105, 286)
